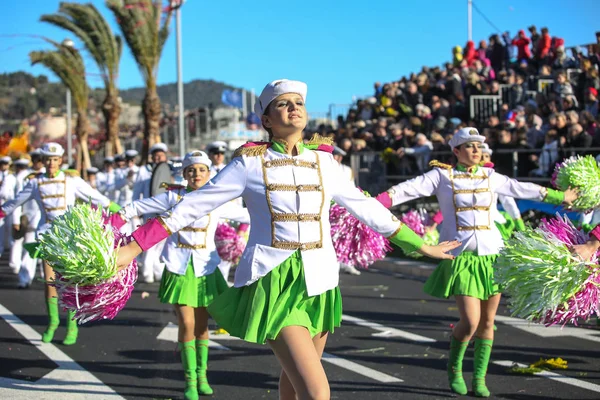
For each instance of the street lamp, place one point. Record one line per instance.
(69, 43)
(176, 5)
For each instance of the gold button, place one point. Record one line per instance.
(394, 218)
(300, 217)
(319, 188)
(268, 164)
(392, 191)
(314, 165)
(303, 247)
(271, 187)
(296, 162)
(300, 187)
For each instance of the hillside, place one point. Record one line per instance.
(22, 94)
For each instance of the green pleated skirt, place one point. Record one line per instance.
(466, 275)
(258, 312)
(189, 290)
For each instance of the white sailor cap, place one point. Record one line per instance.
(92, 170)
(119, 157)
(52, 149)
(466, 135)
(131, 153)
(338, 151)
(22, 162)
(159, 147)
(5, 160)
(276, 89)
(35, 152)
(217, 147)
(109, 160)
(485, 149)
(196, 157)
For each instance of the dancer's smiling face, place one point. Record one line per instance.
(52, 164)
(468, 154)
(196, 175)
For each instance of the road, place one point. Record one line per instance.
(392, 345)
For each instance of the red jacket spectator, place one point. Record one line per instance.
(470, 54)
(544, 44)
(522, 43)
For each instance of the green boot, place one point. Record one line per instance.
(455, 360)
(202, 354)
(188, 360)
(72, 329)
(483, 350)
(53, 320)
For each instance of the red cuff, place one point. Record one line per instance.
(243, 227)
(116, 220)
(385, 199)
(438, 218)
(2, 215)
(596, 232)
(151, 233)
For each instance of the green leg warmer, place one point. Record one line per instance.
(72, 330)
(483, 351)
(53, 321)
(188, 360)
(455, 361)
(202, 354)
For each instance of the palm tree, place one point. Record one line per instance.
(91, 28)
(67, 64)
(145, 33)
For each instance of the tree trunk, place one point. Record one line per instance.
(111, 110)
(82, 130)
(151, 110)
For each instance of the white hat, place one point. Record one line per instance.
(485, 149)
(35, 152)
(276, 89)
(92, 170)
(131, 153)
(119, 157)
(109, 159)
(5, 159)
(338, 151)
(159, 147)
(466, 135)
(52, 149)
(217, 147)
(22, 162)
(196, 157)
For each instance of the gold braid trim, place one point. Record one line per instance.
(437, 164)
(33, 175)
(72, 173)
(251, 151)
(171, 186)
(317, 139)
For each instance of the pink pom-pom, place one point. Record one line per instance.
(414, 221)
(230, 245)
(355, 243)
(104, 300)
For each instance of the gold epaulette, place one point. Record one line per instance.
(437, 164)
(317, 139)
(251, 151)
(32, 175)
(171, 186)
(72, 173)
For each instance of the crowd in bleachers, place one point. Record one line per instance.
(545, 96)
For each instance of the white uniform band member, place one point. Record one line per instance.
(8, 183)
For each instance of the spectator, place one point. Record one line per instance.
(535, 37)
(522, 42)
(497, 54)
(421, 152)
(508, 47)
(457, 56)
(562, 86)
(578, 138)
(517, 92)
(535, 135)
(591, 102)
(482, 51)
(502, 156)
(549, 155)
(544, 45)
(470, 54)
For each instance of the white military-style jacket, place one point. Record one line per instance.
(106, 183)
(467, 202)
(288, 198)
(8, 184)
(195, 241)
(30, 208)
(54, 196)
(125, 185)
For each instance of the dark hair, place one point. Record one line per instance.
(266, 112)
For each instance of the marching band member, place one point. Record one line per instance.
(466, 196)
(106, 180)
(16, 250)
(286, 284)
(152, 268)
(54, 191)
(29, 214)
(216, 152)
(8, 183)
(191, 279)
(92, 177)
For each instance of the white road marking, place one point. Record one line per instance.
(359, 369)
(169, 334)
(69, 381)
(386, 331)
(551, 331)
(555, 377)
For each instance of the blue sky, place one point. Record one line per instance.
(338, 47)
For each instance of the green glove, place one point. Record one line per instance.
(554, 197)
(114, 207)
(519, 225)
(407, 239)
